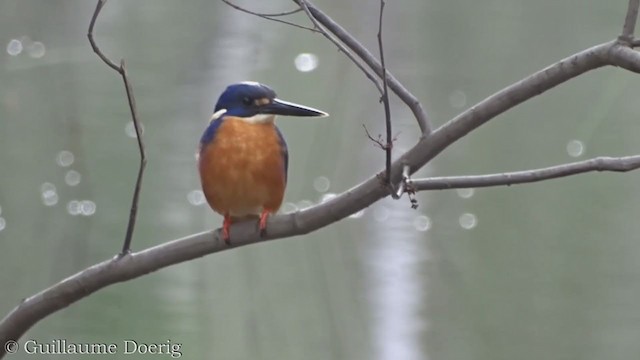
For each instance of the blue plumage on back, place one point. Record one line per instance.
(285, 154)
(210, 132)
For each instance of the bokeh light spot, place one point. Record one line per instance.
(65, 158)
(468, 221)
(380, 213)
(74, 207)
(457, 99)
(289, 208)
(575, 148)
(49, 194)
(36, 49)
(14, 47)
(72, 178)
(465, 193)
(306, 62)
(305, 204)
(87, 207)
(422, 223)
(3, 223)
(321, 184)
(196, 197)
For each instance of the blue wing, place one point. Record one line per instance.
(210, 132)
(285, 154)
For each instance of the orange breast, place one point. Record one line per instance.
(242, 169)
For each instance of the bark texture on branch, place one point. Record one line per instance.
(119, 269)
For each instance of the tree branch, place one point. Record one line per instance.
(271, 16)
(137, 264)
(94, 45)
(505, 99)
(384, 99)
(625, 57)
(405, 95)
(630, 20)
(130, 266)
(122, 70)
(368, 73)
(316, 29)
(602, 163)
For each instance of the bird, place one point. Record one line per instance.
(242, 157)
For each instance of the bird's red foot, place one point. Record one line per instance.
(226, 224)
(263, 222)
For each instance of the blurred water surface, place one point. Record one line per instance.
(526, 272)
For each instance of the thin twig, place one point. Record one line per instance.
(396, 87)
(387, 110)
(122, 70)
(284, 13)
(630, 20)
(271, 16)
(143, 161)
(316, 29)
(94, 46)
(377, 141)
(62, 294)
(602, 163)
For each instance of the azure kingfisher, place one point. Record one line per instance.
(243, 158)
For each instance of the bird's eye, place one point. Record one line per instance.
(247, 101)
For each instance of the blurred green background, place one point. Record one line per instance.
(541, 271)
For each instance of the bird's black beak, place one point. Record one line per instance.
(280, 107)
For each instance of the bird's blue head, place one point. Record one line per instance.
(254, 100)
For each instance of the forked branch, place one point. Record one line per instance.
(122, 268)
(318, 16)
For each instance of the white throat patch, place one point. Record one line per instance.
(255, 119)
(258, 119)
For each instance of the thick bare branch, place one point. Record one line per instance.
(405, 95)
(625, 57)
(361, 196)
(513, 95)
(602, 163)
(130, 266)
